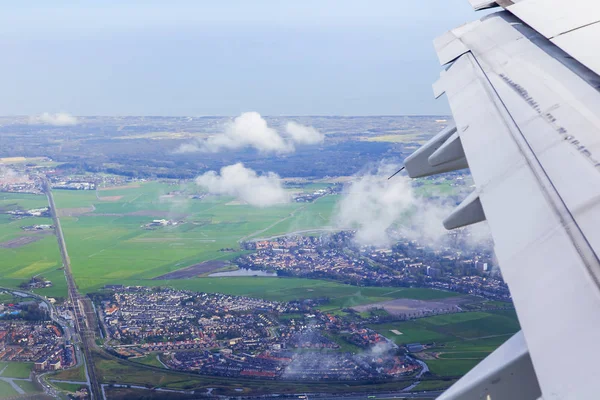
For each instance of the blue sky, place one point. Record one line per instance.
(286, 57)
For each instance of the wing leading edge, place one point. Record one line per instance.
(527, 117)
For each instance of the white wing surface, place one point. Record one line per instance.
(523, 86)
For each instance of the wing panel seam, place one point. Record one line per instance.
(549, 189)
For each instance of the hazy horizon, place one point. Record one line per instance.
(190, 58)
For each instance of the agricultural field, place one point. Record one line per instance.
(23, 201)
(456, 342)
(25, 254)
(108, 244)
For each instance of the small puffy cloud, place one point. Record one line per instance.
(247, 130)
(245, 184)
(58, 119)
(379, 209)
(252, 130)
(302, 134)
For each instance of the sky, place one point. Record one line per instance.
(196, 58)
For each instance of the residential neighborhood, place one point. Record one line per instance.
(227, 335)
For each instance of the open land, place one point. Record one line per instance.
(407, 306)
(455, 343)
(108, 245)
(194, 270)
(20, 241)
(33, 257)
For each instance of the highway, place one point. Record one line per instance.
(82, 308)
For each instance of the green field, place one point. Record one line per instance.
(68, 387)
(451, 367)
(73, 374)
(109, 242)
(28, 386)
(6, 390)
(433, 385)
(458, 341)
(30, 259)
(15, 369)
(412, 331)
(22, 201)
(150, 359)
(476, 355)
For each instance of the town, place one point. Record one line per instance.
(457, 267)
(253, 337)
(28, 335)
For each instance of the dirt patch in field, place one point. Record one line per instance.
(412, 306)
(194, 270)
(134, 185)
(110, 198)
(23, 240)
(74, 212)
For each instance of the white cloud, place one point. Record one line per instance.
(302, 134)
(381, 210)
(372, 204)
(247, 130)
(245, 184)
(58, 119)
(252, 130)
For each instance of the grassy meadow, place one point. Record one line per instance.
(107, 244)
(41, 257)
(456, 342)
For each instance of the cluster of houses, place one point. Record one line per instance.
(408, 263)
(157, 223)
(294, 365)
(38, 342)
(74, 185)
(314, 195)
(34, 212)
(137, 314)
(224, 335)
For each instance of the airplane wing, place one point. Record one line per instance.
(523, 84)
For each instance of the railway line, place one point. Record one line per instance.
(82, 308)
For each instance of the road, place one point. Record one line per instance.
(82, 308)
